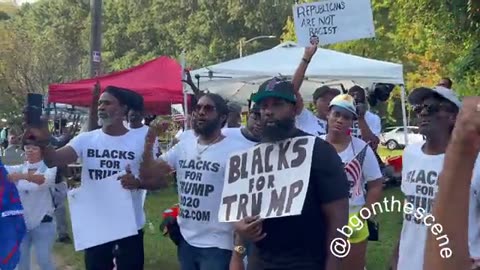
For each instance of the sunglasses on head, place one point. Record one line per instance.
(206, 108)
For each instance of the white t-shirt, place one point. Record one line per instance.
(420, 174)
(141, 132)
(474, 214)
(311, 124)
(37, 200)
(200, 184)
(236, 134)
(359, 171)
(103, 155)
(187, 134)
(373, 121)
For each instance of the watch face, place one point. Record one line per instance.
(240, 249)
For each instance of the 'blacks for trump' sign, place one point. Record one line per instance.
(270, 180)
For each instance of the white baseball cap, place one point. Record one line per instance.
(420, 94)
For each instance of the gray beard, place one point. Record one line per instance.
(104, 121)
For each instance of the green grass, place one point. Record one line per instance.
(160, 252)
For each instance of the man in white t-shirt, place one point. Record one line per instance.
(250, 134)
(105, 153)
(200, 164)
(135, 125)
(436, 110)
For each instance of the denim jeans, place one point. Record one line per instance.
(41, 239)
(193, 258)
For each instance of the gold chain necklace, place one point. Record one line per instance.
(200, 152)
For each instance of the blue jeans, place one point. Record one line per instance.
(41, 239)
(193, 258)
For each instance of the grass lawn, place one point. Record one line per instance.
(160, 252)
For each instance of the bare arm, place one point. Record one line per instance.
(61, 157)
(367, 134)
(336, 216)
(299, 75)
(375, 192)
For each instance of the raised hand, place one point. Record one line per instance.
(467, 126)
(310, 51)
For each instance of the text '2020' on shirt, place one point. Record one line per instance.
(200, 171)
(299, 242)
(103, 155)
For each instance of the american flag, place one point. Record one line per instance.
(353, 169)
(177, 112)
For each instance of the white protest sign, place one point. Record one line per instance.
(270, 180)
(333, 21)
(101, 212)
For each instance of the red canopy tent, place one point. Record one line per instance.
(158, 81)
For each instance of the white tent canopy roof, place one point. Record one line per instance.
(237, 79)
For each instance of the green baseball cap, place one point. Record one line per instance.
(277, 88)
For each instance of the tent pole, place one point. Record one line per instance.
(185, 97)
(404, 113)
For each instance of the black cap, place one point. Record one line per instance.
(277, 88)
(323, 91)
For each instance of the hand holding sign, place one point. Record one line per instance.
(310, 51)
(128, 180)
(250, 228)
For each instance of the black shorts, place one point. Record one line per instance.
(128, 253)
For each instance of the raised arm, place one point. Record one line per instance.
(453, 192)
(299, 75)
(52, 158)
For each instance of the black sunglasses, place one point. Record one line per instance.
(432, 108)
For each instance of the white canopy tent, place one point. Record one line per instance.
(237, 79)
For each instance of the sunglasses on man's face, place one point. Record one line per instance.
(431, 108)
(206, 108)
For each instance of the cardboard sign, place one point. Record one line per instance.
(333, 21)
(270, 180)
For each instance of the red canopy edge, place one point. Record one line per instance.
(158, 81)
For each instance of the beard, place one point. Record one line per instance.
(280, 131)
(207, 128)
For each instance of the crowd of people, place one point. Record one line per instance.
(345, 177)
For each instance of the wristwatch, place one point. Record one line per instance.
(240, 250)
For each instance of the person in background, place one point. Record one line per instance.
(368, 126)
(455, 188)
(436, 109)
(326, 204)
(250, 135)
(306, 120)
(445, 82)
(34, 181)
(62, 135)
(13, 154)
(362, 169)
(135, 118)
(234, 119)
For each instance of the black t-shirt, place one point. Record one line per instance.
(299, 242)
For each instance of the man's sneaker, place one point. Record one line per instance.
(64, 239)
